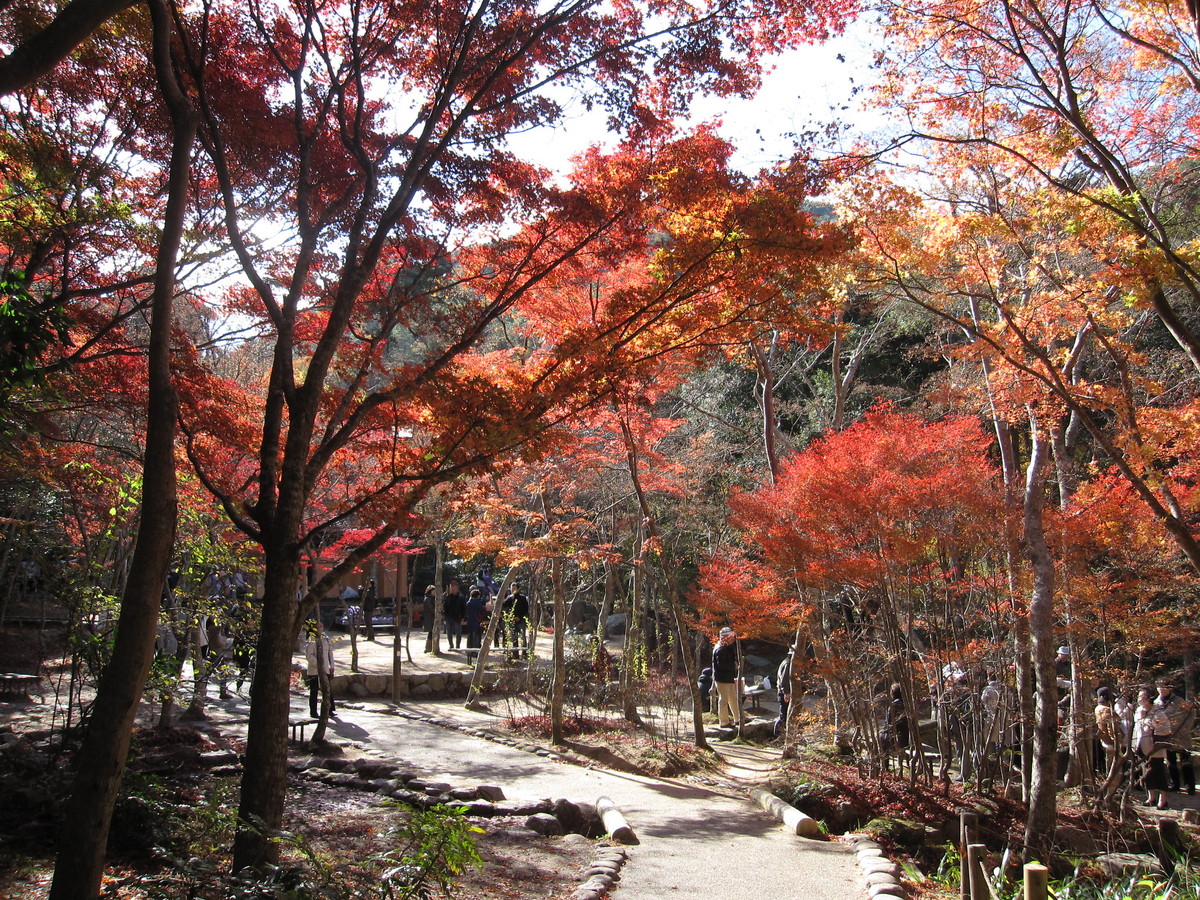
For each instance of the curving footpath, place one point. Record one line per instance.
(694, 841)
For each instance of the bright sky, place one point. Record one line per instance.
(807, 88)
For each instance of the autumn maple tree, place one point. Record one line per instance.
(1051, 234)
(367, 192)
(891, 521)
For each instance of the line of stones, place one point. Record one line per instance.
(602, 874)
(882, 876)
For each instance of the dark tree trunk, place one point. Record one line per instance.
(101, 760)
(264, 778)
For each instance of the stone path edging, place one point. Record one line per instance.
(881, 876)
(602, 874)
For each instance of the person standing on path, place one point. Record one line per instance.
(516, 620)
(370, 602)
(1182, 716)
(783, 687)
(725, 675)
(705, 684)
(453, 610)
(427, 605)
(1151, 729)
(474, 614)
(318, 653)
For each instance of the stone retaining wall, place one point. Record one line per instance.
(358, 685)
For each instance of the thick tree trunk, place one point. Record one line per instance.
(264, 778)
(42, 50)
(1039, 828)
(101, 760)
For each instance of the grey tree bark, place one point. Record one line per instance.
(1043, 793)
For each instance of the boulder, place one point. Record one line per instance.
(1076, 840)
(481, 808)
(615, 624)
(545, 824)
(383, 770)
(1119, 865)
(357, 689)
(377, 684)
(899, 832)
(569, 815)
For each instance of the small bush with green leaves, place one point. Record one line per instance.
(432, 848)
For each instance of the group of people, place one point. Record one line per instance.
(219, 636)
(467, 615)
(460, 615)
(1157, 728)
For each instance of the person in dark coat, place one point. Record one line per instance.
(725, 674)
(516, 618)
(370, 602)
(783, 690)
(427, 607)
(473, 610)
(453, 611)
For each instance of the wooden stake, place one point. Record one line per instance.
(1037, 881)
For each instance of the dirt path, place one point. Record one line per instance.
(695, 840)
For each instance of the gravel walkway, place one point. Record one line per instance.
(694, 840)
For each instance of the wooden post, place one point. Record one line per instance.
(614, 823)
(1037, 881)
(979, 887)
(1169, 832)
(968, 826)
